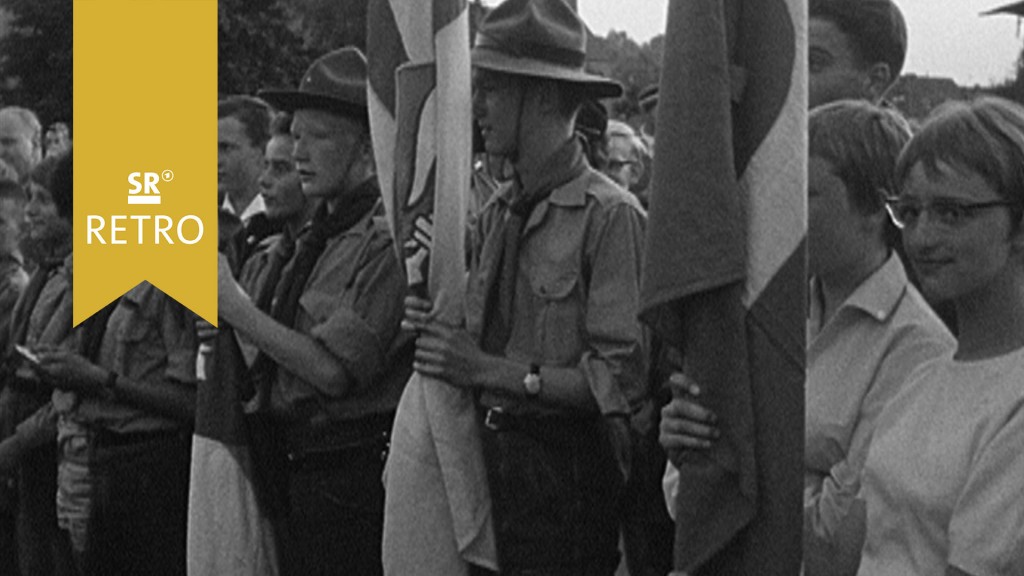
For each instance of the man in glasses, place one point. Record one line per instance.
(625, 164)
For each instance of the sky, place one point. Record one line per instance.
(947, 38)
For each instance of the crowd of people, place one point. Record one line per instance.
(914, 419)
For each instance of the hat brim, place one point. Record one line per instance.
(292, 100)
(596, 86)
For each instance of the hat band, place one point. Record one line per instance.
(543, 52)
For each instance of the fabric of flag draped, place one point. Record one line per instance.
(228, 532)
(437, 511)
(725, 272)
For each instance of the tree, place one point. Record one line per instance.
(35, 57)
(326, 25)
(258, 47)
(634, 65)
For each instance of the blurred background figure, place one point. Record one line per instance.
(57, 140)
(624, 164)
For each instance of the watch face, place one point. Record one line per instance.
(532, 384)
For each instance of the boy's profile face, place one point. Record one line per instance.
(838, 235)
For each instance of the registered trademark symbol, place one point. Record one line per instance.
(167, 175)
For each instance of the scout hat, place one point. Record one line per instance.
(336, 82)
(541, 39)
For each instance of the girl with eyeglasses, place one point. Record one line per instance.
(944, 478)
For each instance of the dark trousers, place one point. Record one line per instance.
(647, 529)
(42, 547)
(556, 490)
(140, 504)
(336, 518)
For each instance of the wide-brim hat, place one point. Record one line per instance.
(335, 82)
(541, 39)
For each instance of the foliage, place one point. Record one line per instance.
(634, 65)
(257, 47)
(35, 57)
(329, 24)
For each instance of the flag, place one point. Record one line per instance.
(228, 534)
(725, 272)
(437, 514)
(1015, 8)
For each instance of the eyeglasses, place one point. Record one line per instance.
(947, 212)
(616, 165)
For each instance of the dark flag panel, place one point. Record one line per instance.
(725, 272)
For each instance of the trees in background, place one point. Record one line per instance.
(262, 44)
(35, 57)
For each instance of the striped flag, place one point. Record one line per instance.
(228, 534)
(437, 510)
(725, 273)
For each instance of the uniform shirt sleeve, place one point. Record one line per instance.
(361, 336)
(614, 365)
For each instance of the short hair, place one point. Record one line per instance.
(619, 129)
(253, 113)
(876, 28)
(862, 141)
(985, 136)
(27, 118)
(62, 186)
(281, 124)
(11, 190)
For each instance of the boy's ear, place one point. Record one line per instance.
(879, 79)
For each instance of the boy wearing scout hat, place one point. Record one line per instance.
(552, 346)
(331, 366)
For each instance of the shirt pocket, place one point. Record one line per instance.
(142, 349)
(560, 316)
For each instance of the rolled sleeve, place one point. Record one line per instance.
(835, 520)
(361, 336)
(614, 366)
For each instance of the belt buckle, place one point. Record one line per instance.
(493, 418)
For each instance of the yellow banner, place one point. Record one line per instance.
(145, 95)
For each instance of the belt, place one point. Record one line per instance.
(499, 419)
(339, 444)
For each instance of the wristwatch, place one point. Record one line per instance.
(532, 381)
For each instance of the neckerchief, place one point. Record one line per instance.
(563, 166)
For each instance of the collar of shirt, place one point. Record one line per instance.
(877, 296)
(559, 168)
